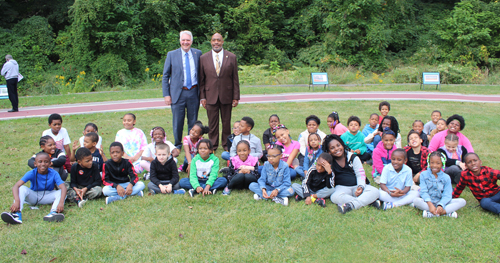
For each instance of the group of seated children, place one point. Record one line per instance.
(329, 166)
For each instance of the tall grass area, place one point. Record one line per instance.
(236, 227)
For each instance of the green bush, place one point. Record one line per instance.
(458, 74)
(111, 69)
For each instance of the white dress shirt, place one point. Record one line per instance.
(220, 54)
(191, 65)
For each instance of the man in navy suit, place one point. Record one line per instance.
(180, 85)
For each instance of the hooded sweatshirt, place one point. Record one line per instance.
(381, 157)
(10, 69)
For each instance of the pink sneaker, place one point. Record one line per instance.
(180, 168)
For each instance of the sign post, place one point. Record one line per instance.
(4, 94)
(319, 78)
(431, 78)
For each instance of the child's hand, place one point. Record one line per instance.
(163, 189)
(15, 207)
(76, 145)
(188, 168)
(120, 190)
(244, 171)
(357, 151)
(359, 191)
(326, 165)
(60, 207)
(101, 151)
(128, 191)
(462, 165)
(199, 189)
(206, 191)
(175, 152)
(308, 200)
(169, 188)
(432, 209)
(440, 210)
(274, 193)
(264, 194)
(416, 178)
(83, 192)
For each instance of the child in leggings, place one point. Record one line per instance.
(243, 168)
(436, 190)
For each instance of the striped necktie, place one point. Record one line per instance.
(217, 64)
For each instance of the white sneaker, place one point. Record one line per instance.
(453, 214)
(256, 197)
(427, 214)
(279, 200)
(82, 202)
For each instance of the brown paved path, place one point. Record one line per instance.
(147, 104)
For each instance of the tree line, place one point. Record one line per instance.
(124, 42)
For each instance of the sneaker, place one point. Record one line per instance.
(279, 200)
(146, 176)
(179, 192)
(53, 217)
(81, 203)
(111, 199)
(427, 214)
(388, 205)
(321, 202)
(345, 208)
(192, 192)
(226, 191)
(298, 198)
(213, 192)
(224, 170)
(377, 204)
(141, 194)
(12, 218)
(453, 214)
(257, 197)
(180, 168)
(412, 205)
(377, 180)
(152, 192)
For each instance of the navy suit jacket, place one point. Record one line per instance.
(173, 73)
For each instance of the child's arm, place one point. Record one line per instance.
(31, 162)
(60, 206)
(97, 178)
(106, 177)
(175, 174)
(213, 172)
(188, 156)
(359, 171)
(147, 155)
(362, 145)
(303, 144)
(76, 145)
(287, 183)
(104, 158)
(193, 178)
(232, 150)
(60, 161)
(369, 138)
(447, 192)
(137, 156)
(153, 176)
(378, 165)
(67, 149)
(398, 141)
(15, 192)
(461, 185)
(292, 156)
(258, 149)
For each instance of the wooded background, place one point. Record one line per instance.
(75, 46)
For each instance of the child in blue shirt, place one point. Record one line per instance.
(355, 140)
(436, 190)
(396, 181)
(41, 191)
(369, 128)
(274, 182)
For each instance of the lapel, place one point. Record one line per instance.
(196, 61)
(179, 60)
(224, 62)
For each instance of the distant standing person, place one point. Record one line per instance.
(180, 85)
(219, 88)
(10, 72)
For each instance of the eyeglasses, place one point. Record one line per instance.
(272, 156)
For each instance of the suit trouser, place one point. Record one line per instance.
(12, 91)
(188, 103)
(213, 111)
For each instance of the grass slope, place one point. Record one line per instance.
(237, 228)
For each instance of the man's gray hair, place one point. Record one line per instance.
(185, 32)
(8, 57)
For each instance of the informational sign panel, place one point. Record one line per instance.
(431, 78)
(3, 92)
(319, 78)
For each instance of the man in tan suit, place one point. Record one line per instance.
(219, 88)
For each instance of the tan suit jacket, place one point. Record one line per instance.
(226, 86)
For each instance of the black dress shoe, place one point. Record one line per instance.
(13, 111)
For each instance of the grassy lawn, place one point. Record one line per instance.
(237, 228)
(147, 92)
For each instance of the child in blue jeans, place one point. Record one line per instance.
(119, 177)
(274, 182)
(436, 190)
(41, 191)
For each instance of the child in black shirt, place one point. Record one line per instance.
(163, 172)
(85, 181)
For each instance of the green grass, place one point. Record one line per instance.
(237, 228)
(140, 93)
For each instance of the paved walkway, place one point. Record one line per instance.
(148, 104)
